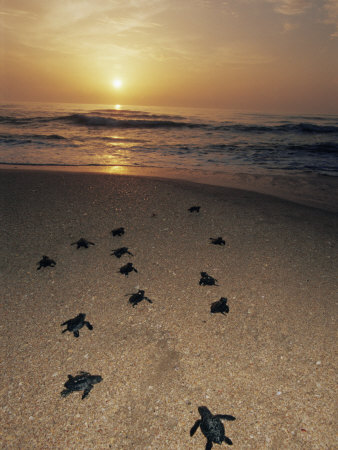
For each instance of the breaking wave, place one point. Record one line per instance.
(142, 120)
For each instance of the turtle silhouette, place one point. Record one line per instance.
(117, 231)
(127, 268)
(220, 306)
(207, 280)
(82, 382)
(217, 241)
(74, 325)
(194, 209)
(121, 251)
(212, 427)
(82, 243)
(45, 262)
(138, 297)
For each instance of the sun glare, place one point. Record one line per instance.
(117, 83)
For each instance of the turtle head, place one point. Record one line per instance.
(96, 379)
(82, 316)
(204, 411)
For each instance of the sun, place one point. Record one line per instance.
(117, 83)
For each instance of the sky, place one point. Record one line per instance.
(261, 55)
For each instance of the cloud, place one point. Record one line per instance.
(291, 7)
(79, 26)
(331, 7)
(298, 7)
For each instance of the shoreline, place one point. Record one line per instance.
(318, 191)
(270, 362)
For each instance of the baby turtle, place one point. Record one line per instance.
(211, 427)
(194, 209)
(82, 382)
(121, 251)
(220, 306)
(207, 280)
(138, 297)
(217, 241)
(74, 325)
(45, 262)
(82, 243)
(117, 231)
(127, 268)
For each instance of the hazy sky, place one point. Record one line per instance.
(270, 55)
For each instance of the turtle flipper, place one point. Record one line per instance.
(195, 426)
(86, 392)
(225, 417)
(63, 331)
(88, 325)
(148, 300)
(227, 440)
(208, 445)
(65, 392)
(76, 333)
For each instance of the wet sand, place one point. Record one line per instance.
(270, 362)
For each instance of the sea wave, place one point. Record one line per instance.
(142, 120)
(8, 138)
(112, 122)
(268, 147)
(301, 127)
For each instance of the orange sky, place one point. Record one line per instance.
(268, 55)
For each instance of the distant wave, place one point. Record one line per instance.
(25, 120)
(134, 114)
(318, 147)
(29, 138)
(111, 122)
(116, 119)
(301, 127)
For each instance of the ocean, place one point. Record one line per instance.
(216, 141)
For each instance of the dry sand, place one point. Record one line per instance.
(270, 362)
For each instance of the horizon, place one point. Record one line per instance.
(267, 56)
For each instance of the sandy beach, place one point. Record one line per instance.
(270, 362)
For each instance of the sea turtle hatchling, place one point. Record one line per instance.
(212, 427)
(207, 280)
(121, 251)
(45, 262)
(127, 268)
(194, 209)
(217, 241)
(220, 306)
(82, 382)
(138, 297)
(82, 243)
(117, 231)
(74, 325)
